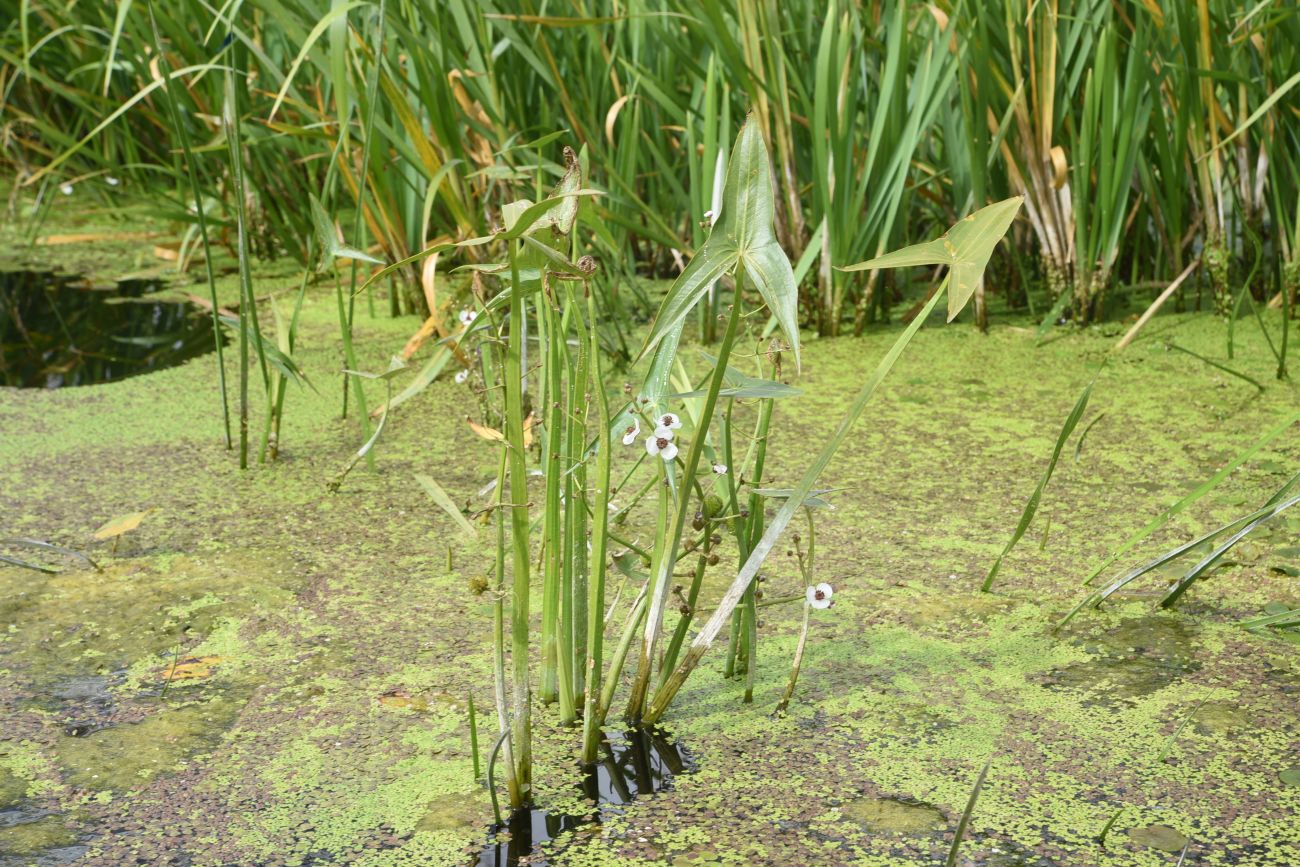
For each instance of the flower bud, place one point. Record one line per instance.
(712, 506)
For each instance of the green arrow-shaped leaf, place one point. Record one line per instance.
(965, 248)
(742, 236)
(327, 235)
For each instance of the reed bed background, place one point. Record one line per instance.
(1145, 136)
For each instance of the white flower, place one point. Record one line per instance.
(111, 181)
(820, 596)
(661, 444)
(467, 317)
(66, 189)
(669, 421)
(708, 215)
(629, 435)
(461, 376)
(720, 469)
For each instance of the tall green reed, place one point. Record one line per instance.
(877, 115)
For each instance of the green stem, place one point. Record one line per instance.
(201, 214)
(499, 637)
(576, 540)
(616, 664)
(668, 554)
(599, 540)
(796, 663)
(692, 594)
(806, 567)
(522, 738)
(548, 688)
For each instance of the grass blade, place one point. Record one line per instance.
(1031, 507)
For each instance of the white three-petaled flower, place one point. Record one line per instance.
(820, 596)
(66, 189)
(629, 435)
(661, 443)
(111, 181)
(461, 376)
(669, 421)
(720, 469)
(467, 317)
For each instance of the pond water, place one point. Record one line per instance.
(640, 762)
(57, 330)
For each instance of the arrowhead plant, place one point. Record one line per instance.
(742, 241)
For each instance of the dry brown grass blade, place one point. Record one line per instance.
(1155, 305)
(94, 237)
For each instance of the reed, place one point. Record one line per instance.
(1137, 132)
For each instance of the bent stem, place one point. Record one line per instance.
(796, 664)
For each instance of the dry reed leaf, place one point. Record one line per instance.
(92, 237)
(611, 116)
(427, 330)
(1060, 167)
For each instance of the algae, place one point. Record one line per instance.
(334, 726)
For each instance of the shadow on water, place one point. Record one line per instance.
(641, 762)
(58, 331)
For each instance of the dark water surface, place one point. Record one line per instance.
(641, 762)
(57, 330)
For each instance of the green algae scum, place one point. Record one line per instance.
(488, 433)
(324, 648)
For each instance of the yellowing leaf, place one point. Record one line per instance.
(121, 525)
(492, 435)
(529, 424)
(193, 668)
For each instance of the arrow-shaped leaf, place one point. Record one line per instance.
(965, 249)
(328, 237)
(742, 236)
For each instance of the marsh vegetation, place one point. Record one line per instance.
(814, 432)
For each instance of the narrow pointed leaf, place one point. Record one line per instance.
(445, 502)
(717, 257)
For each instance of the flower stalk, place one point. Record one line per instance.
(667, 554)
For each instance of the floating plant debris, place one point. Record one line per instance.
(58, 331)
(641, 762)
